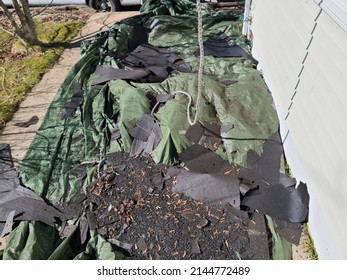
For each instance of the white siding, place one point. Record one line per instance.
(337, 9)
(303, 56)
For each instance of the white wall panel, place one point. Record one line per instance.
(286, 33)
(336, 9)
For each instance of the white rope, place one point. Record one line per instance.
(201, 60)
(200, 72)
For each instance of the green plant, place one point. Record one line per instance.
(309, 243)
(23, 66)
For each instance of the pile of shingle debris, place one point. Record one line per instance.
(202, 211)
(134, 201)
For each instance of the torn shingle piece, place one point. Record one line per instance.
(139, 36)
(225, 128)
(74, 206)
(83, 229)
(80, 171)
(237, 215)
(264, 169)
(287, 181)
(244, 188)
(161, 61)
(120, 244)
(29, 206)
(172, 172)
(8, 180)
(258, 237)
(8, 224)
(213, 189)
(212, 129)
(279, 202)
(67, 230)
(194, 243)
(13, 197)
(220, 47)
(5, 155)
(200, 159)
(195, 132)
(91, 219)
(143, 128)
(211, 138)
(139, 146)
(160, 72)
(33, 120)
(207, 135)
(75, 101)
(108, 73)
(290, 231)
(162, 98)
(115, 133)
(153, 139)
(8, 175)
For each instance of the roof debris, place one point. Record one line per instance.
(33, 120)
(18, 203)
(220, 47)
(157, 222)
(116, 152)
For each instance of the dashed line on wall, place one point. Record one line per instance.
(302, 67)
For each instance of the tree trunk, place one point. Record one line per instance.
(29, 35)
(26, 31)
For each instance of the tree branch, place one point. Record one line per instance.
(5, 29)
(27, 13)
(10, 18)
(25, 29)
(19, 11)
(43, 9)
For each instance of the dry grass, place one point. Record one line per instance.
(22, 67)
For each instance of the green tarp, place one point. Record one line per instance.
(86, 136)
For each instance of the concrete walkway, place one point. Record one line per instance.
(40, 97)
